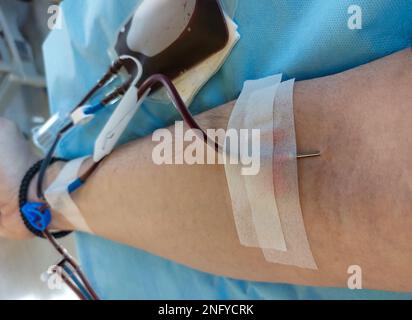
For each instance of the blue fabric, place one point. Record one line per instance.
(299, 38)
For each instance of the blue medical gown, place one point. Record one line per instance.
(300, 38)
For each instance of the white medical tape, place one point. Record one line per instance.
(285, 180)
(268, 213)
(59, 199)
(254, 206)
(259, 186)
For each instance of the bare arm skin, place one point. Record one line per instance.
(356, 198)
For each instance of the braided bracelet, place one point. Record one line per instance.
(36, 216)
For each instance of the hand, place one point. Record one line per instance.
(16, 157)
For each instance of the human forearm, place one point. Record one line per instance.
(184, 212)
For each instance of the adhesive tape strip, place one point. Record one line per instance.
(59, 199)
(285, 180)
(267, 213)
(257, 221)
(259, 186)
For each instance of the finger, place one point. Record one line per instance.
(2, 231)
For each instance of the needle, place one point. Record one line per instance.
(308, 155)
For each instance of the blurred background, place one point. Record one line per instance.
(23, 99)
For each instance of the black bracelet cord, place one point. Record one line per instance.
(23, 199)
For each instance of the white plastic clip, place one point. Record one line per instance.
(120, 118)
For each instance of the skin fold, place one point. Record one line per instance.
(356, 198)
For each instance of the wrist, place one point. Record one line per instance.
(58, 221)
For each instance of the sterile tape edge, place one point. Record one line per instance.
(59, 199)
